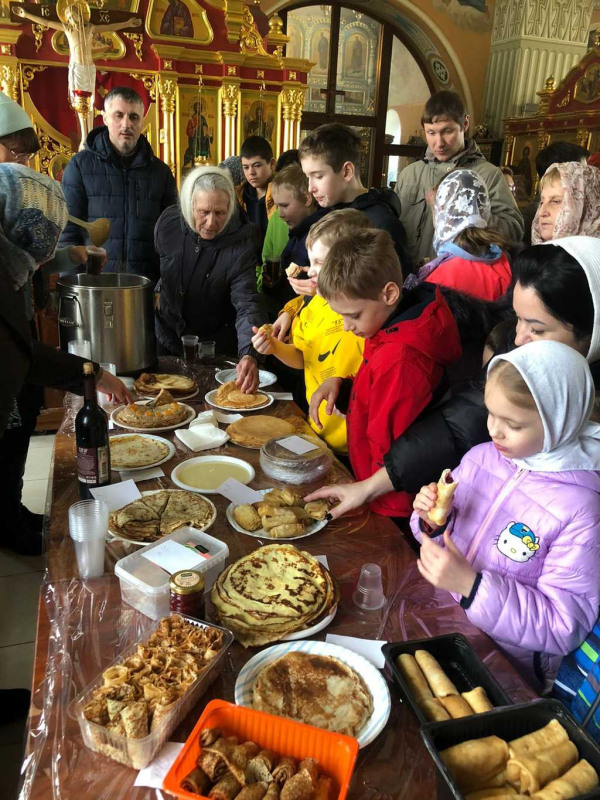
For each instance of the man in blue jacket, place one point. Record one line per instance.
(118, 176)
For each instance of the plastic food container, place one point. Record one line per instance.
(458, 660)
(138, 753)
(335, 753)
(281, 464)
(508, 724)
(145, 585)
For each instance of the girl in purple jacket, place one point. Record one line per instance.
(521, 546)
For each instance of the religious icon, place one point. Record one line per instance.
(320, 51)
(199, 134)
(177, 20)
(57, 166)
(474, 15)
(258, 117)
(356, 60)
(587, 88)
(258, 122)
(523, 168)
(294, 46)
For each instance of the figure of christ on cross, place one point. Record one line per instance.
(80, 33)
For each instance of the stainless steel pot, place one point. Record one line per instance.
(115, 312)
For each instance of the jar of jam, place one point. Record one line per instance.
(187, 593)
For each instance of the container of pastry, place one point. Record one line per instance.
(138, 753)
(508, 724)
(335, 753)
(145, 585)
(284, 465)
(458, 660)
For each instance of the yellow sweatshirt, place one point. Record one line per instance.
(328, 352)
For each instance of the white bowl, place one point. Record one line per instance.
(250, 473)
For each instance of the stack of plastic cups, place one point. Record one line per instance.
(88, 526)
(369, 592)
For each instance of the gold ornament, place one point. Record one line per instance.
(137, 39)
(9, 81)
(27, 73)
(166, 89)
(251, 43)
(276, 25)
(230, 96)
(38, 31)
(149, 83)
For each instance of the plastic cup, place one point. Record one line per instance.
(100, 396)
(88, 525)
(208, 349)
(190, 348)
(80, 347)
(369, 592)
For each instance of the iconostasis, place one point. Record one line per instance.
(210, 72)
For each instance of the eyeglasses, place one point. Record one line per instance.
(18, 158)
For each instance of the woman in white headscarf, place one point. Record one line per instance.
(470, 254)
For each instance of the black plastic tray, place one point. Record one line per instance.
(508, 724)
(458, 660)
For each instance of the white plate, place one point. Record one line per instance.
(177, 399)
(382, 703)
(292, 637)
(210, 399)
(190, 416)
(202, 459)
(261, 533)
(169, 455)
(137, 543)
(266, 378)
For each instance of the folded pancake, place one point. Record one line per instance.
(260, 768)
(273, 792)
(161, 712)
(114, 707)
(293, 271)
(439, 682)
(283, 517)
(135, 720)
(115, 676)
(446, 488)
(317, 509)
(226, 789)
(580, 779)
(247, 517)
(298, 787)
(534, 773)
(414, 677)
(324, 787)
(473, 762)
(230, 396)
(534, 743)
(196, 781)
(289, 530)
(478, 700)
(184, 508)
(239, 758)
(266, 329)
(157, 501)
(434, 710)
(311, 766)
(209, 736)
(284, 770)
(213, 759)
(254, 431)
(152, 384)
(502, 791)
(456, 706)
(255, 792)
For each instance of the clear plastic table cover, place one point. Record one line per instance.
(83, 625)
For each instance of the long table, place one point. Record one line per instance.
(83, 625)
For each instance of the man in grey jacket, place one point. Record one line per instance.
(446, 122)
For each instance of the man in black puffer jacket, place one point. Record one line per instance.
(118, 176)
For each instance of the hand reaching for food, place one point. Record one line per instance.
(327, 392)
(282, 325)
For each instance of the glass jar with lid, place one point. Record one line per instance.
(187, 593)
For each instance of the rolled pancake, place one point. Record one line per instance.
(456, 706)
(197, 781)
(502, 791)
(323, 791)
(414, 677)
(474, 762)
(578, 780)
(209, 736)
(298, 787)
(273, 792)
(532, 744)
(434, 710)
(260, 768)
(478, 700)
(311, 766)
(438, 681)
(255, 792)
(287, 767)
(239, 758)
(446, 488)
(226, 789)
(534, 773)
(135, 720)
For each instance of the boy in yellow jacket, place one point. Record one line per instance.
(319, 345)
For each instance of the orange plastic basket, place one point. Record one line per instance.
(335, 753)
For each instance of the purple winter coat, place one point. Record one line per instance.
(534, 539)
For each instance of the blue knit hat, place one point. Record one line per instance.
(12, 117)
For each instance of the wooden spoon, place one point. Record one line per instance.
(99, 229)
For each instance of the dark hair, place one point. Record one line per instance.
(21, 142)
(124, 93)
(475, 317)
(287, 159)
(559, 153)
(256, 147)
(561, 284)
(336, 143)
(444, 104)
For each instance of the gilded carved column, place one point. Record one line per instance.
(300, 100)
(230, 97)
(9, 79)
(292, 103)
(167, 87)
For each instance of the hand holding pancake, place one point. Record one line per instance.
(347, 497)
(262, 342)
(446, 567)
(281, 326)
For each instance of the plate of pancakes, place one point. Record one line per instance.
(252, 432)
(150, 384)
(265, 377)
(281, 517)
(229, 397)
(139, 451)
(300, 676)
(162, 413)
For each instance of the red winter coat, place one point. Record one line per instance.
(403, 366)
(483, 279)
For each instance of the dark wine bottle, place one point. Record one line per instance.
(91, 436)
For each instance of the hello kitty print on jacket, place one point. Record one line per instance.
(518, 542)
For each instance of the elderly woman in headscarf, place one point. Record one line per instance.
(570, 198)
(470, 254)
(208, 257)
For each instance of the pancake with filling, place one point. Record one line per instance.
(317, 690)
(256, 430)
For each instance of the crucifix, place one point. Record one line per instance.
(79, 23)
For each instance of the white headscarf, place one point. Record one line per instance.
(560, 381)
(461, 201)
(586, 251)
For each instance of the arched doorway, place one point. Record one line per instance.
(365, 73)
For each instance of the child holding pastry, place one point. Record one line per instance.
(520, 546)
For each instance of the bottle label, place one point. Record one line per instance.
(92, 464)
(187, 579)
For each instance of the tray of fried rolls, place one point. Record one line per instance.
(533, 750)
(443, 678)
(237, 753)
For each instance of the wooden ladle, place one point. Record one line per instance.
(99, 229)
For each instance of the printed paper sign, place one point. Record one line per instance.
(173, 556)
(238, 493)
(142, 474)
(117, 495)
(297, 445)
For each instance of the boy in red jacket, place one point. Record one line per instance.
(410, 339)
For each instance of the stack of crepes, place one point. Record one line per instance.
(230, 396)
(150, 385)
(544, 764)
(203, 433)
(272, 592)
